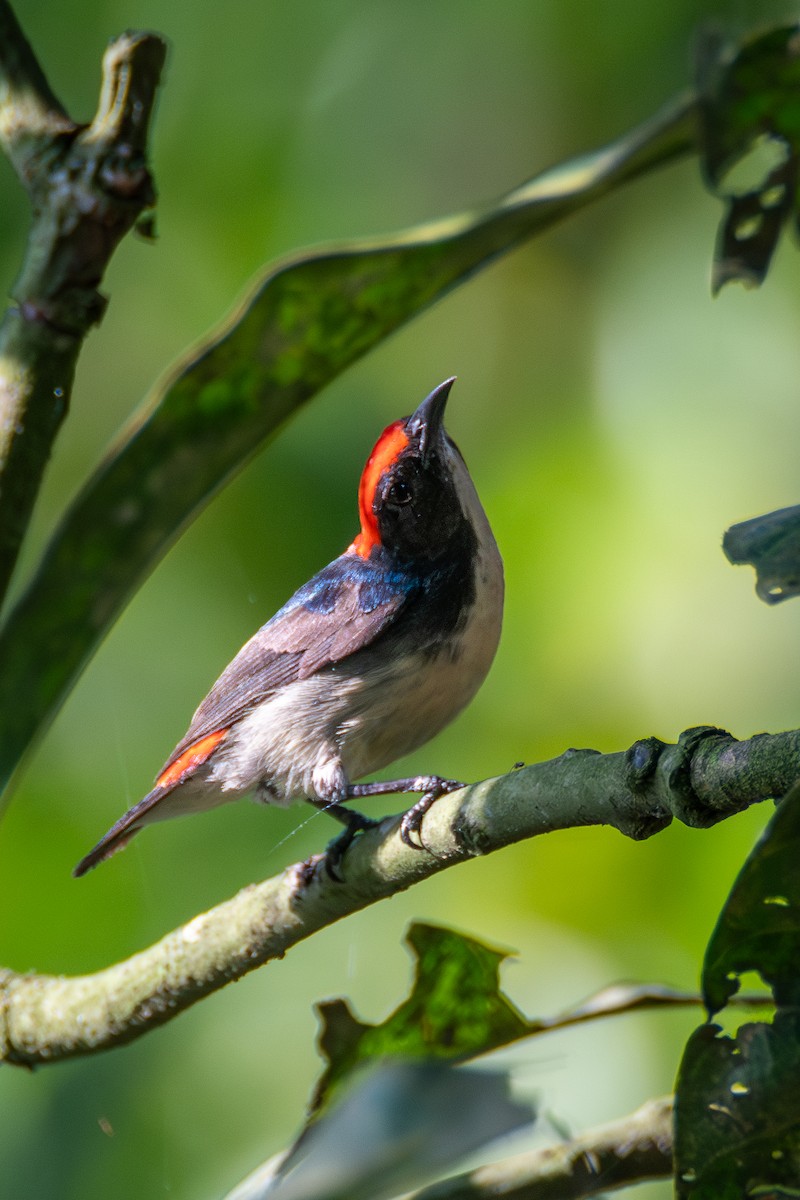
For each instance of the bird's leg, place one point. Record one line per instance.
(433, 786)
(354, 823)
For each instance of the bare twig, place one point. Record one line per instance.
(634, 1149)
(706, 776)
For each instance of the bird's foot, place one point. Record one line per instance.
(432, 787)
(356, 823)
(411, 823)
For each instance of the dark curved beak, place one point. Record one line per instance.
(427, 422)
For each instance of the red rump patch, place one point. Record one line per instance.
(392, 441)
(194, 756)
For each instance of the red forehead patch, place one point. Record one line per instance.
(392, 442)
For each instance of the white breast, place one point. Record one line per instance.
(319, 734)
(418, 696)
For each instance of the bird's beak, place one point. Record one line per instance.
(426, 423)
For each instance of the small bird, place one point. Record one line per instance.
(366, 662)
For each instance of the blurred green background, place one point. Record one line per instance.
(615, 420)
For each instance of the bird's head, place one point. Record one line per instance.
(415, 493)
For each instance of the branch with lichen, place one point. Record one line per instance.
(87, 185)
(706, 776)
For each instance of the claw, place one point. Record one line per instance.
(337, 849)
(411, 823)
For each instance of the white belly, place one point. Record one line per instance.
(319, 734)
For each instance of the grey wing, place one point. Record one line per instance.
(299, 640)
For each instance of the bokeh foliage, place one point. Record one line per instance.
(615, 422)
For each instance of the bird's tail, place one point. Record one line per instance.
(121, 833)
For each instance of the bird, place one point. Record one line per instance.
(366, 662)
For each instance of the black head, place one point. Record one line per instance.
(408, 500)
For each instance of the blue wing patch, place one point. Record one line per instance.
(343, 609)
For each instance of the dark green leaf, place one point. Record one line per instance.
(759, 927)
(737, 1113)
(771, 544)
(749, 234)
(751, 96)
(304, 323)
(738, 1100)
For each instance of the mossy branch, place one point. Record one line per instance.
(87, 186)
(703, 778)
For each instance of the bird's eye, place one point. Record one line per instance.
(399, 493)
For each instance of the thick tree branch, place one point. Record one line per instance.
(634, 1149)
(87, 187)
(706, 776)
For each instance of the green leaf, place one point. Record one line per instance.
(305, 321)
(751, 106)
(738, 1099)
(759, 927)
(771, 544)
(395, 1104)
(455, 1011)
(737, 1113)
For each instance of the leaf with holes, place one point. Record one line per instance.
(737, 1107)
(750, 106)
(455, 1011)
(737, 1113)
(759, 927)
